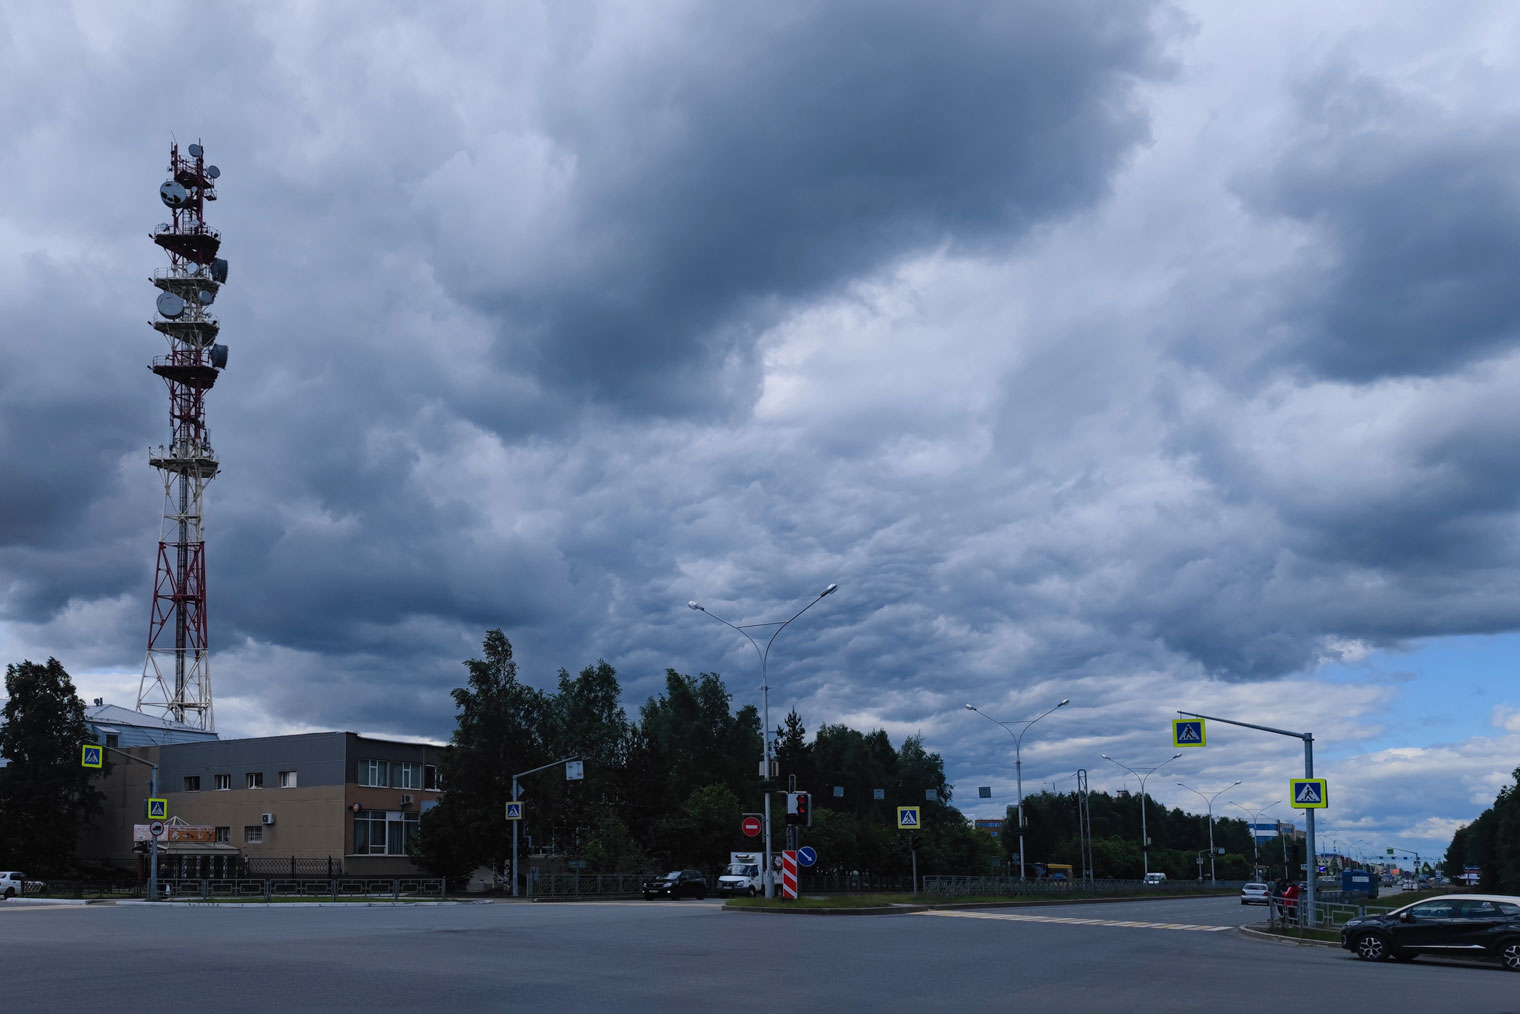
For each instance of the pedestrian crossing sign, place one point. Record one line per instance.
(1309, 793)
(93, 756)
(907, 818)
(1188, 732)
(514, 811)
(158, 809)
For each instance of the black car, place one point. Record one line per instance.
(1452, 925)
(676, 884)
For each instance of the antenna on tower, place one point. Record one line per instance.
(176, 679)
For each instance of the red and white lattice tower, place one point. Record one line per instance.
(176, 680)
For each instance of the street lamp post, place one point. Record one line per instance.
(1210, 801)
(765, 705)
(1018, 763)
(1255, 819)
(1145, 841)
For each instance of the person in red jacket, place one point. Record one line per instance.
(1290, 902)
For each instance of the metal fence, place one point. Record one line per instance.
(588, 885)
(259, 888)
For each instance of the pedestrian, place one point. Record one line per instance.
(1290, 902)
(1274, 900)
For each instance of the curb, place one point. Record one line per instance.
(298, 904)
(59, 901)
(1256, 934)
(901, 909)
(877, 910)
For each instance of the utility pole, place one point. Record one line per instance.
(515, 823)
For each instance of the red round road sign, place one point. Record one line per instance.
(751, 826)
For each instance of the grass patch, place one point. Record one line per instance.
(1296, 933)
(832, 901)
(885, 900)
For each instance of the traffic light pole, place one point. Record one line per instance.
(1311, 870)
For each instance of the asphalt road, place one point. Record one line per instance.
(1180, 955)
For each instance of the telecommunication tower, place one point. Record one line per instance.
(176, 680)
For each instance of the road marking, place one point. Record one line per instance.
(1073, 921)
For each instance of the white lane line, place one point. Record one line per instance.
(1074, 921)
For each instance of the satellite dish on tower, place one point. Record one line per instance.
(206, 297)
(212, 171)
(192, 267)
(219, 356)
(170, 305)
(173, 194)
(162, 227)
(195, 151)
(219, 271)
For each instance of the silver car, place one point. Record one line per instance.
(1255, 894)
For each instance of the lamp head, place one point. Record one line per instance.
(1064, 703)
(1176, 755)
(829, 590)
(693, 605)
(1105, 756)
(971, 707)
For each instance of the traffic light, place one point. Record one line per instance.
(799, 809)
(913, 841)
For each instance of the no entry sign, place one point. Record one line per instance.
(751, 826)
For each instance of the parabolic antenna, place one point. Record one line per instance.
(219, 356)
(173, 194)
(170, 305)
(162, 227)
(192, 267)
(213, 171)
(219, 271)
(206, 297)
(195, 151)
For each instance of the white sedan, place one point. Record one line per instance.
(1255, 894)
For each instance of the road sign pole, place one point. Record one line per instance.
(514, 840)
(153, 841)
(1313, 878)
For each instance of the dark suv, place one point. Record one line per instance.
(676, 884)
(1452, 925)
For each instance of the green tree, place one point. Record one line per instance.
(45, 795)
(498, 733)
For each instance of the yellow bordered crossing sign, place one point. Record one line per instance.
(907, 818)
(1189, 732)
(1309, 793)
(158, 809)
(514, 811)
(93, 756)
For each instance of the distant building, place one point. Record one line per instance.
(992, 827)
(118, 727)
(338, 800)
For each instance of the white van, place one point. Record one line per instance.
(1155, 878)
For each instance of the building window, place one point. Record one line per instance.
(253, 834)
(113, 740)
(224, 834)
(224, 781)
(287, 779)
(255, 779)
(430, 776)
(374, 772)
(192, 783)
(408, 776)
(381, 833)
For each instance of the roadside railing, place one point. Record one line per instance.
(260, 889)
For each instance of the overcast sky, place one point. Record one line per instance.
(1153, 356)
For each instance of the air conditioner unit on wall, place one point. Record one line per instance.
(406, 799)
(266, 818)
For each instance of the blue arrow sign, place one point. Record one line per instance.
(806, 856)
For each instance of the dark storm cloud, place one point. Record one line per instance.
(1418, 210)
(761, 155)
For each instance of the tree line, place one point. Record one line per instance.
(1491, 843)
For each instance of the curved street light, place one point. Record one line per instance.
(1210, 801)
(1145, 841)
(765, 698)
(1255, 819)
(1018, 762)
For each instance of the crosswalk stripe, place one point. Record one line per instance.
(1075, 921)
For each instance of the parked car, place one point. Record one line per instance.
(1451, 925)
(676, 884)
(1152, 879)
(1256, 894)
(13, 884)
